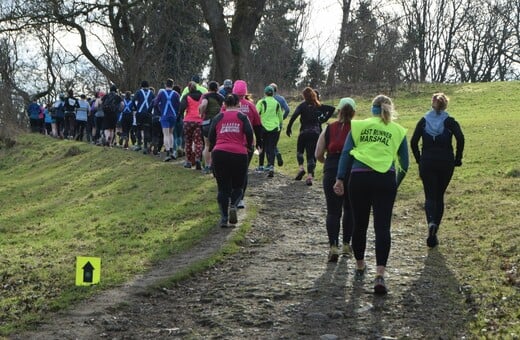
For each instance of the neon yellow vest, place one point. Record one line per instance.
(376, 143)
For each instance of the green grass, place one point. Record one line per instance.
(480, 233)
(65, 199)
(481, 226)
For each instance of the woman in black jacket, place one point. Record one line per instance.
(312, 114)
(436, 159)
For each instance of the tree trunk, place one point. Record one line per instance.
(231, 47)
(214, 16)
(341, 43)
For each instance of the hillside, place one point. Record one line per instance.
(63, 199)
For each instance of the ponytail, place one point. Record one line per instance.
(439, 102)
(384, 106)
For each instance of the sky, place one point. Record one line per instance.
(324, 27)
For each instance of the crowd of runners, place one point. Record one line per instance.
(170, 123)
(218, 129)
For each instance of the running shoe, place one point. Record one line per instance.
(432, 240)
(333, 254)
(359, 274)
(223, 222)
(379, 285)
(347, 249)
(270, 171)
(233, 219)
(206, 170)
(187, 165)
(260, 168)
(300, 175)
(308, 181)
(241, 204)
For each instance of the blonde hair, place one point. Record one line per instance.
(439, 101)
(387, 108)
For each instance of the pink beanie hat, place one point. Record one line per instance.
(240, 88)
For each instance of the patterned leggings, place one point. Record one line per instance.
(193, 139)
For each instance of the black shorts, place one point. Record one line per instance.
(205, 128)
(109, 121)
(143, 119)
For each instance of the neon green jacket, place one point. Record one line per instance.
(270, 112)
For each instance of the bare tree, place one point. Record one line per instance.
(484, 47)
(231, 43)
(509, 11)
(430, 29)
(276, 51)
(133, 39)
(345, 6)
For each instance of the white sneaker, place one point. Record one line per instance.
(241, 204)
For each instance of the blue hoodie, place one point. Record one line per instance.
(435, 122)
(436, 131)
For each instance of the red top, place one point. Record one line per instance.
(337, 134)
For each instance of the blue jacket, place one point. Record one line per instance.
(33, 111)
(283, 104)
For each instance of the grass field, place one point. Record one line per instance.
(62, 199)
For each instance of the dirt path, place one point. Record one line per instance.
(280, 286)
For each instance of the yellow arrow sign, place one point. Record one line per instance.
(88, 270)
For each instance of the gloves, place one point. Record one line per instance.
(458, 162)
(288, 132)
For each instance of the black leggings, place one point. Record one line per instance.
(60, 121)
(374, 190)
(80, 129)
(307, 143)
(270, 142)
(99, 128)
(337, 206)
(230, 170)
(69, 124)
(157, 139)
(126, 125)
(144, 125)
(435, 176)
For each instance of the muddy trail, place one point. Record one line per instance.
(279, 285)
